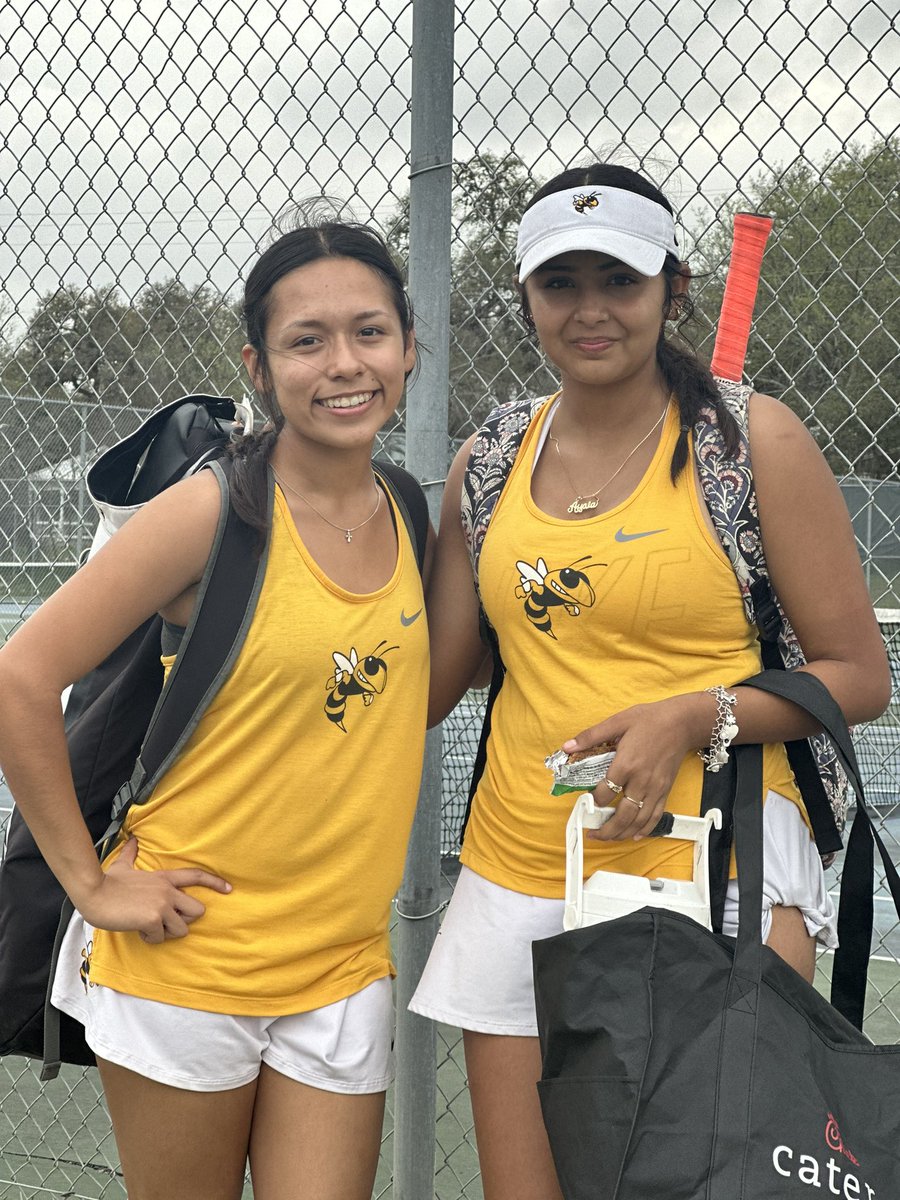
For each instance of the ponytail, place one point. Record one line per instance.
(686, 377)
(250, 480)
(693, 386)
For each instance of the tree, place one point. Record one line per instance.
(825, 336)
(89, 344)
(189, 340)
(492, 358)
(76, 346)
(90, 365)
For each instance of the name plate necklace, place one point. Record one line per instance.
(591, 500)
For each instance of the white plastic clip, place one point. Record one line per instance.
(243, 414)
(609, 894)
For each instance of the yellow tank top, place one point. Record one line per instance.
(298, 787)
(626, 607)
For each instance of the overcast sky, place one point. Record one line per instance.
(142, 140)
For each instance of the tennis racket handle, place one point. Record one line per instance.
(751, 231)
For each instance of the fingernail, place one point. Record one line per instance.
(228, 887)
(569, 746)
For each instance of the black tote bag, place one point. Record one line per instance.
(682, 1064)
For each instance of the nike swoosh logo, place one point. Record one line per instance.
(622, 536)
(405, 620)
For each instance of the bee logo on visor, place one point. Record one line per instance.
(583, 203)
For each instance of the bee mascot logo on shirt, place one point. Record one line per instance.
(353, 676)
(543, 589)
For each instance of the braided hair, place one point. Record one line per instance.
(686, 377)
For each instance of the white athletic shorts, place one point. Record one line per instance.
(343, 1047)
(479, 973)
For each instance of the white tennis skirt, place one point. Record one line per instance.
(479, 973)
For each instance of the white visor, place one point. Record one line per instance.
(636, 231)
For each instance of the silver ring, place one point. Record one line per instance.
(638, 803)
(615, 788)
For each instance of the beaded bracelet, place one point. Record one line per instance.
(724, 729)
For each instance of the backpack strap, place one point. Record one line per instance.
(490, 462)
(498, 674)
(730, 494)
(407, 494)
(226, 602)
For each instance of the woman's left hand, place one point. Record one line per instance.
(651, 741)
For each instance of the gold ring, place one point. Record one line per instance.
(637, 803)
(615, 788)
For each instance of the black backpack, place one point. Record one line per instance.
(124, 731)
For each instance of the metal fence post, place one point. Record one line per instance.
(426, 455)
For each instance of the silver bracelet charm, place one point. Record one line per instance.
(724, 729)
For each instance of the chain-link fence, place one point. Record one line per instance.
(146, 150)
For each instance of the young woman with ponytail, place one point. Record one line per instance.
(617, 613)
(231, 961)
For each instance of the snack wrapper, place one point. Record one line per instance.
(579, 772)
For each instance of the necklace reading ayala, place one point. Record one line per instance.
(348, 533)
(587, 503)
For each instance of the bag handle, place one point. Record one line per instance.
(856, 909)
(738, 1040)
(740, 1017)
(748, 843)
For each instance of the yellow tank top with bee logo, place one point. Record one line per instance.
(595, 615)
(298, 787)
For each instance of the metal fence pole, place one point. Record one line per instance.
(81, 508)
(431, 140)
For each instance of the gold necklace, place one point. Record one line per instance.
(348, 533)
(587, 503)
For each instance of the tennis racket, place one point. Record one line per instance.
(751, 231)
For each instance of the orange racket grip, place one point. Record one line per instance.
(751, 231)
